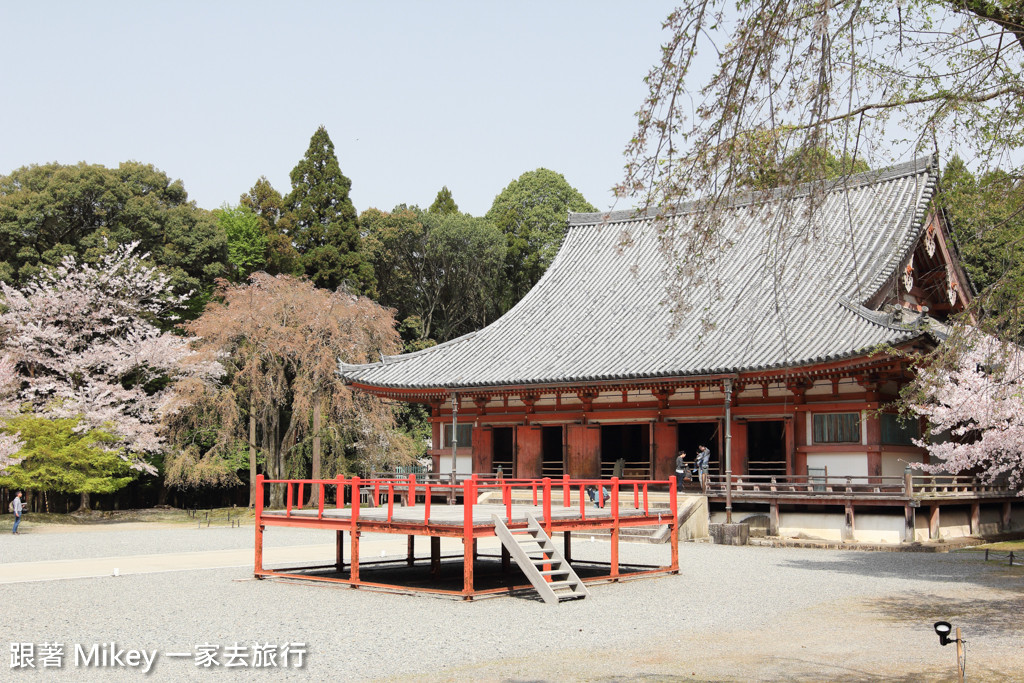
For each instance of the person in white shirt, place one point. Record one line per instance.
(17, 512)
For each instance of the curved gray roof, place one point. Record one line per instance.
(603, 310)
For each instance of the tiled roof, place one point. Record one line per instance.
(602, 310)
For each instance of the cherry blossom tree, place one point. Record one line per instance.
(974, 404)
(280, 339)
(87, 348)
(10, 444)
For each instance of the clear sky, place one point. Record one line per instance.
(415, 95)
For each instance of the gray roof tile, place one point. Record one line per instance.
(602, 311)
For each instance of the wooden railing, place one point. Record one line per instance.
(808, 486)
(907, 487)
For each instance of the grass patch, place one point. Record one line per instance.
(1001, 546)
(158, 515)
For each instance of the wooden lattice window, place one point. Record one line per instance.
(464, 433)
(897, 431)
(837, 428)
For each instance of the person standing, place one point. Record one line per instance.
(16, 503)
(703, 458)
(682, 473)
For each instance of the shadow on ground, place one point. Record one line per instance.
(957, 567)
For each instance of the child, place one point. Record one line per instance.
(592, 494)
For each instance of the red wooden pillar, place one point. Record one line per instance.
(259, 525)
(790, 428)
(353, 533)
(739, 449)
(800, 439)
(666, 445)
(483, 450)
(468, 541)
(529, 464)
(435, 435)
(584, 446)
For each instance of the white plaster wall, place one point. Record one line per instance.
(463, 463)
(884, 528)
(895, 464)
(840, 464)
(953, 523)
(828, 526)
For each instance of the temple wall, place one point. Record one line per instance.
(840, 464)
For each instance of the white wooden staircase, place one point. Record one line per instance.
(532, 548)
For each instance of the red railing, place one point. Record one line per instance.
(349, 492)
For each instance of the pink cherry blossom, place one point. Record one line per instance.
(975, 411)
(82, 332)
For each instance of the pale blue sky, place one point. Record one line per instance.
(415, 95)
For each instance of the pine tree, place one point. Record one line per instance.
(325, 227)
(443, 203)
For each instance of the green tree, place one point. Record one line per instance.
(268, 205)
(441, 272)
(325, 228)
(763, 169)
(59, 457)
(986, 215)
(443, 203)
(86, 210)
(247, 241)
(533, 214)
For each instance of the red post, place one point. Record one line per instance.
(547, 504)
(288, 504)
(636, 496)
(673, 505)
(583, 502)
(566, 500)
(411, 498)
(340, 496)
(615, 525)
(299, 501)
(534, 492)
(645, 498)
(320, 501)
(355, 501)
(354, 533)
(426, 503)
(258, 562)
(391, 501)
(468, 495)
(506, 493)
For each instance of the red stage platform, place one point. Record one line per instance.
(560, 505)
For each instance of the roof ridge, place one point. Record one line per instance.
(916, 166)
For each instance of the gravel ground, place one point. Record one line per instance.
(732, 614)
(111, 540)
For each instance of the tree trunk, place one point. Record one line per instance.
(275, 459)
(84, 505)
(314, 490)
(252, 458)
(161, 496)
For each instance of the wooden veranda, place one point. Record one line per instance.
(415, 508)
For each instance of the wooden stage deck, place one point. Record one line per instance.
(560, 506)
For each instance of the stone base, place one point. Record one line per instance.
(729, 534)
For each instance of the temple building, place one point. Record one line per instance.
(783, 347)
